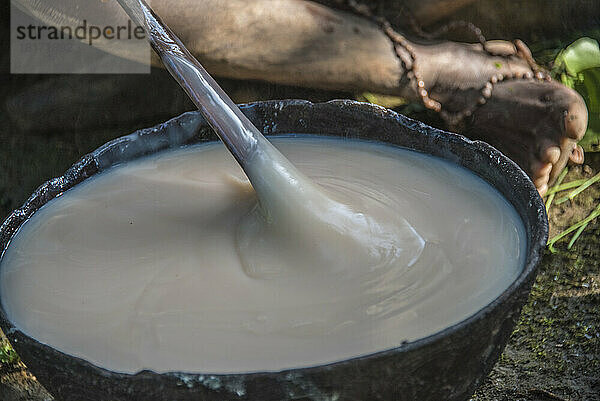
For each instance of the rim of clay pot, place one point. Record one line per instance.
(151, 140)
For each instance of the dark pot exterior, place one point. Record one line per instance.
(446, 366)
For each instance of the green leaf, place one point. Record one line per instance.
(588, 87)
(578, 67)
(387, 101)
(7, 353)
(581, 55)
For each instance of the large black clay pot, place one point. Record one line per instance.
(446, 366)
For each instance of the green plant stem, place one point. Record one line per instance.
(595, 213)
(576, 235)
(578, 190)
(559, 181)
(565, 186)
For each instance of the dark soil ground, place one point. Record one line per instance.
(554, 352)
(48, 122)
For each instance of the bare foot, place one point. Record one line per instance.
(495, 95)
(537, 124)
